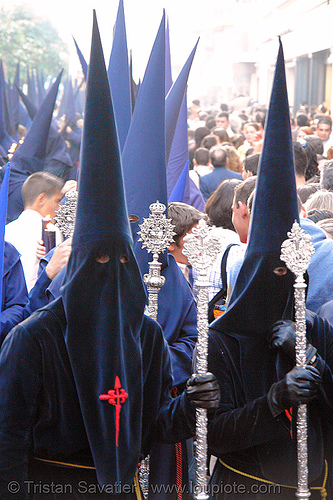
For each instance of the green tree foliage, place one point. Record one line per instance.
(31, 41)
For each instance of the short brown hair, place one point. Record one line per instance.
(37, 183)
(184, 217)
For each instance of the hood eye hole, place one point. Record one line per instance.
(103, 259)
(133, 218)
(124, 259)
(280, 271)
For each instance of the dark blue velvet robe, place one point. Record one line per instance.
(40, 413)
(14, 291)
(244, 433)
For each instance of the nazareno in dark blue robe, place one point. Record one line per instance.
(40, 413)
(244, 433)
(14, 290)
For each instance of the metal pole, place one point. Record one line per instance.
(296, 252)
(201, 249)
(156, 233)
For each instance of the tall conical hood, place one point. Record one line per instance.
(41, 90)
(179, 189)
(174, 101)
(57, 159)
(32, 88)
(275, 205)
(168, 72)
(15, 98)
(179, 157)
(70, 105)
(133, 84)
(30, 107)
(83, 62)
(5, 139)
(144, 152)
(29, 156)
(98, 170)
(263, 292)
(274, 211)
(119, 77)
(8, 110)
(103, 293)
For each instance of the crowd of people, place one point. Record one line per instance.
(90, 384)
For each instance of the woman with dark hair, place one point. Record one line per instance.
(219, 205)
(221, 135)
(219, 210)
(312, 172)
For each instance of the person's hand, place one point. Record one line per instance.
(203, 391)
(59, 258)
(68, 186)
(41, 250)
(283, 338)
(299, 386)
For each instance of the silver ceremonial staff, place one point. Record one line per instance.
(65, 215)
(156, 233)
(201, 249)
(296, 252)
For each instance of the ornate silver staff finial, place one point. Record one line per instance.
(296, 252)
(156, 233)
(65, 216)
(201, 249)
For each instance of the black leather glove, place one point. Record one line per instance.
(283, 337)
(203, 391)
(299, 386)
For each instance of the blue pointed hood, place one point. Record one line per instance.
(8, 115)
(69, 109)
(57, 160)
(168, 72)
(144, 152)
(174, 101)
(119, 77)
(179, 157)
(32, 92)
(14, 98)
(262, 293)
(29, 156)
(41, 90)
(133, 84)
(104, 300)
(5, 139)
(30, 107)
(179, 189)
(83, 62)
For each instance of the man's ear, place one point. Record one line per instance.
(172, 247)
(39, 201)
(243, 209)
